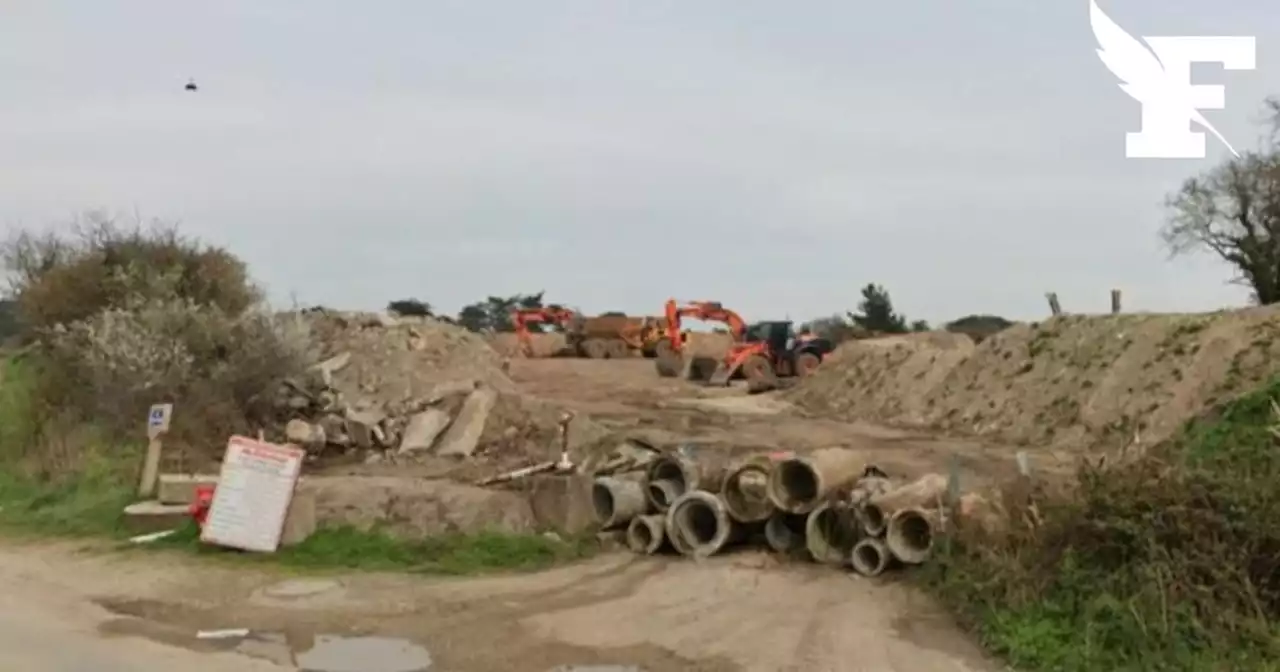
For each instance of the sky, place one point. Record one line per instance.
(969, 156)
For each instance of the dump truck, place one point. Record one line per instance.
(610, 336)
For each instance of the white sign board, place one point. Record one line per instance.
(253, 495)
(158, 419)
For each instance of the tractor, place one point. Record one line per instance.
(771, 350)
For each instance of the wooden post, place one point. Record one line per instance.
(1054, 306)
(157, 425)
(1115, 302)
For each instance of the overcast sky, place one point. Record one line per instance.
(774, 156)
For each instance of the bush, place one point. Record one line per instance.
(129, 318)
(61, 279)
(979, 327)
(1170, 561)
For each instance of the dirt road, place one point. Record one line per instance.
(67, 609)
(748, 612)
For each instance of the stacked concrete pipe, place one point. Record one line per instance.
(877, 509)
(647, 534)
(911, 533)
(870, 557)
(615, 501)
(830, 533)
(745, 491)
(672, 474)
(799, 484)
(784, 532)
(699, 525)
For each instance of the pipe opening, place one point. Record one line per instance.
(873, 519)
(663, 493)
(869, 558)
(668, 470)
(834, 528)
(798, 482)
(746, 493)
(602, 502)
(699, 522)
(785, 532)
(916, 533)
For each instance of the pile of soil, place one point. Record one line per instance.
(1084, 382)
(397, 358)
(544, 345)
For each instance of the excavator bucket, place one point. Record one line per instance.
(723, 373)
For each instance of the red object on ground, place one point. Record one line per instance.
(200, 508)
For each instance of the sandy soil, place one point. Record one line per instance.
(71, 609)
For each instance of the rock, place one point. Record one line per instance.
(298, 402)
(465, 431)
(304, 434)
(423, 430)
(335, 430)
(363, 427)
(446, 390)
(336, 363)
(300, 521)
(562, 502)
(414, 508)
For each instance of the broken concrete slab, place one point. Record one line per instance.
(152, 516)
(423, 430)
(413, 508)
(181, 488)
(365, 427)
(303, 433)
(300, 521)
(464, 433)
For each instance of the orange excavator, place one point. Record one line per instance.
(670, 350)
(523, 317)
(761, 352)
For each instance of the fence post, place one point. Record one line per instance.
(1115, 302)
(1054, 306)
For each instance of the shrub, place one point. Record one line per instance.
(979, 327)
(59, 279)
(1169, 561)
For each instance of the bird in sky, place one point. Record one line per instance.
(191, 85)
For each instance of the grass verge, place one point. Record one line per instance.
(69, 485)
(1167, 562)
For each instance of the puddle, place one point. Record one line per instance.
(333, 653)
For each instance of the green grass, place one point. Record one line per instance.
(1168, 563)
(83, 495)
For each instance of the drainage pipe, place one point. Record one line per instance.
(746, 488)
(798, 484)
(830, 533)
(672, 474)
(615, 501)
(647, 534)
(911, 533)
(784, 532)
(870, 557)
(924, 492)
(703, 524)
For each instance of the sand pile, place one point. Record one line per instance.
(1070, 381)
(544, 345)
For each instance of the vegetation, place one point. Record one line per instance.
(979, 327)
(410, 308)
(1167, 561)
(494, 313)
(1233, 212)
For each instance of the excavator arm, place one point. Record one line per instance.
(710, 311)
(523, 317)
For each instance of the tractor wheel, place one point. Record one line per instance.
(806, 364)
(619, 350)
(595, 348)
(663, 349)
(757, 368)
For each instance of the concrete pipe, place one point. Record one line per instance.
(746, 490)
(672, 474)
(703, 524)
(647, 534)
(799, 484)
(924, 492)
(616, 501)
(830, 533)
(870, 557)
(784, 532)
(910, 534)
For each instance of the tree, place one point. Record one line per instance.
(494, 313)
(835, 328)
(876, 314)
(9, 327)
(410, 308)
(1233, 211)
(919, 325)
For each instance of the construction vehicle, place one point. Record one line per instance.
(771, 350)
(613, 336)
(670, 350)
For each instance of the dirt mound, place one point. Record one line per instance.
(1070, 381)
(397, 358)
(544, 345)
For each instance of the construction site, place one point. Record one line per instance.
(762, 514)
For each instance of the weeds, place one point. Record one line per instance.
(1170, 561)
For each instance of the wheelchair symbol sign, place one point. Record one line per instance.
(158, 419)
